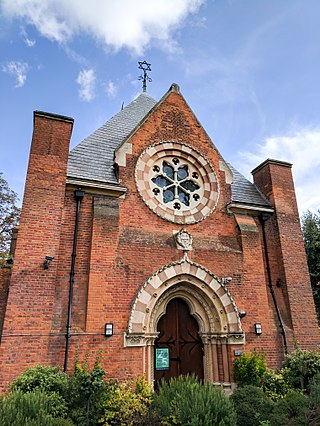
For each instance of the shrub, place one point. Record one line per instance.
(186, 401)
(291, 410)
(314, 416)
(249, 369)
(49, 380)
(252, 406)
(128, 405)
(29, 409)
(86, 394)
(45, 378)
(274, 384)
(300, 367)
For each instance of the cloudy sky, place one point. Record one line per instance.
(249, 69)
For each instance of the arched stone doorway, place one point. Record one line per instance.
(209, 303)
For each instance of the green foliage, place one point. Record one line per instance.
(30, 409)
(314, 416)
(49, 380)
(127, 405)
(274, 385)
(249, 369)
(186, 401)
(9, 216)
(300, 367)
(45, 378)
(311, 237)
(86, 394)
(291, 410)
(252, 405)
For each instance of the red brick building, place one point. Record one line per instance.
(145, 232)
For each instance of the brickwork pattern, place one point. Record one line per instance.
(122, 243)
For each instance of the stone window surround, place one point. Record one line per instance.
(143, 173)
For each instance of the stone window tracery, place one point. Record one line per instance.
(176, 182)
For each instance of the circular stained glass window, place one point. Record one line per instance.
(176, 182)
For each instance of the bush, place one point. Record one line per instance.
(45, 378)
(314, 416)
(126, 405)
(86, 394)
(252, 406)
(249, 369)
(300, 367)
(49, 380)
(291, 410)
(274, 384)
(29, 409)
(186, 401)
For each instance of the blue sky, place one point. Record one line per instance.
(249, 69)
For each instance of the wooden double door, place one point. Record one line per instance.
(179, 332)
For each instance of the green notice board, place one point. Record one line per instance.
(162, 358)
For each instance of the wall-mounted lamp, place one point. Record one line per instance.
(242, 314)
(46, 263)
(108, 330)
(258, 328)
(226, 280)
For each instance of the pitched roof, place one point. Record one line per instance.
(93, 158)
(245, 192)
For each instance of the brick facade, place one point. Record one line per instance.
(122, 243)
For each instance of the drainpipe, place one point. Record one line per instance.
(78, 195)
(263, 219)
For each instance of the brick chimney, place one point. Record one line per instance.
(285, 245)
(32, 288)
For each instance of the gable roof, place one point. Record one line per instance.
(93, 158)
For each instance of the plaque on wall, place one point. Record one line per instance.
(162, 358)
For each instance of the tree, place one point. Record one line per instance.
(311, 236)
(9, 216)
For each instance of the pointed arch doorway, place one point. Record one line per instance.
(178, 341)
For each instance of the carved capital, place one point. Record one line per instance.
(139, 339)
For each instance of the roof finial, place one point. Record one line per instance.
(145, 67)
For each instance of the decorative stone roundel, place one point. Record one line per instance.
(177, 182)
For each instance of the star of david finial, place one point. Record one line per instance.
(145, 67)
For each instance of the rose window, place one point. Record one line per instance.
(176, 183)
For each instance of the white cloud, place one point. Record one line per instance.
(87, 81)
(18, 70)
(111, 89)
(302, 149)
(28, 41)
(131, 24)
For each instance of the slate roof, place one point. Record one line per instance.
(245, 192)
(92, 159)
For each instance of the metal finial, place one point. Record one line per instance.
(145, 67)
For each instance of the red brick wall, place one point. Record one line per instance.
(287, 255)
(5, 274)
(121, 242)
(27, 324)
(129, 243)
